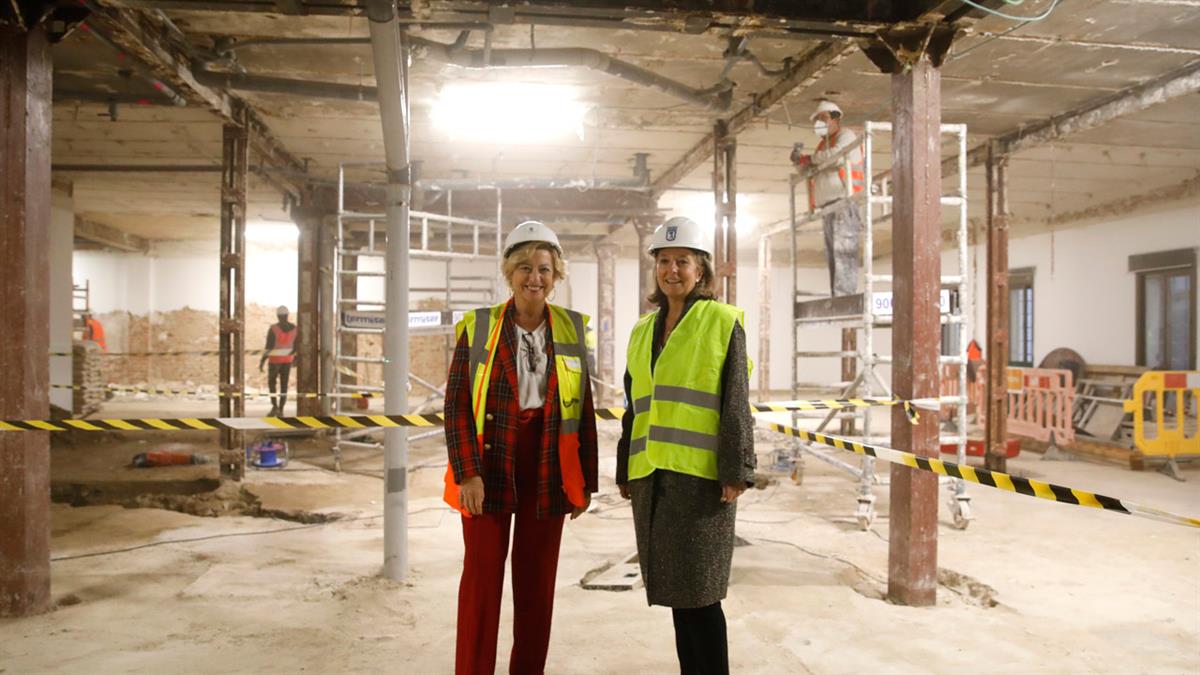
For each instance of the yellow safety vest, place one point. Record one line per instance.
(677, 407)
(568, 329)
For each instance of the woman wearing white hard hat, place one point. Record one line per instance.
(521, 436)
(687, 445)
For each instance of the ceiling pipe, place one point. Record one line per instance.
(282, 85)
(718, 97)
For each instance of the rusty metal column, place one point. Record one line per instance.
(917, 171)
(995, 385)
(25, 117)
(724, 181)
(763, 367)
(849, 370)
(232, 318)
(646, 282)
(308, 341)
(606, 301)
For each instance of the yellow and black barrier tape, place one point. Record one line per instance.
(993, 479)
(910, 407)
(171, 391)
(205, 352)
(274, 423)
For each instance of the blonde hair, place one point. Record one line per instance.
(524, 252)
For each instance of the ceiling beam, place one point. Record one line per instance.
(1118, 207)
(1179, 82)
(815, 18)
(806, 69)
(152, 39)
(109, 236)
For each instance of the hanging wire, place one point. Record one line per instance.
(1002, 15)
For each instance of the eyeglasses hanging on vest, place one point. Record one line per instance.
(530, 352)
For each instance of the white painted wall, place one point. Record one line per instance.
(62, 242)
(182, 274)
(1084, 296)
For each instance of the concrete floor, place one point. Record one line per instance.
(1074, 590)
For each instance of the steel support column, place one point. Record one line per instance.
(606, 301)
(995, 385)
(724, 182)
(849, 370)
(329, 312)
(646, 281)
(232, 319)
(917, 174)
(389, 49)
(763, 367)
(308, 327)
(25, 118)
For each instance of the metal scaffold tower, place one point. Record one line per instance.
(359, 248)
(864, 314)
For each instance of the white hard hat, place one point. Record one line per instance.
(825, 106)
(682, 232)
(281, 310)
(530, 230)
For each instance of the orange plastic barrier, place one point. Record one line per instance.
(1039, 403)
(1041, 409)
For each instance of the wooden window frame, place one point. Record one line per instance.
(1163, 261)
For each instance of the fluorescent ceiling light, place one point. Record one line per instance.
(701, 207)
(509, 112)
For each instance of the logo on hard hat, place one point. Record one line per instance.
(671, 233)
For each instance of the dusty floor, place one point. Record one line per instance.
(1075, 590)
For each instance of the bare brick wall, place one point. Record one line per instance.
(195, 330)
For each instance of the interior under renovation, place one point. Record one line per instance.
(1016, 309)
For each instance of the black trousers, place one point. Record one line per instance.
(280, 372)
(701, 641)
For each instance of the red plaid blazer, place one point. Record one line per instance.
(496, 461)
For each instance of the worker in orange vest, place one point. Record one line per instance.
(843, 225)
(279, 355)
(92, 330)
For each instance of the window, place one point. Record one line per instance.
(1020, 317)
(1166, 316)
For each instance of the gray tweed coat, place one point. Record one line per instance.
(684, 533)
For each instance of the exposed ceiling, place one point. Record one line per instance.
(1001, 77)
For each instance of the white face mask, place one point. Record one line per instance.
(822, 128)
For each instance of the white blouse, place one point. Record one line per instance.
(531, 382)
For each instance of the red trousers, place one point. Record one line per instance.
(534, 563)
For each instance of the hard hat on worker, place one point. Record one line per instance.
(682, 232)
(530, 230)
(281, 310)
(825, 106)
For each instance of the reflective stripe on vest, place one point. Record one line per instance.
(483, 328)
(284, 339)
(677, 406)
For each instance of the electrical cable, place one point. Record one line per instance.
(189, 540)
(1010, 17)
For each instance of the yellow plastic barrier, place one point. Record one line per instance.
(1170, 437)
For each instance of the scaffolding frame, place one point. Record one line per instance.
(460, 293)
(848, 314)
